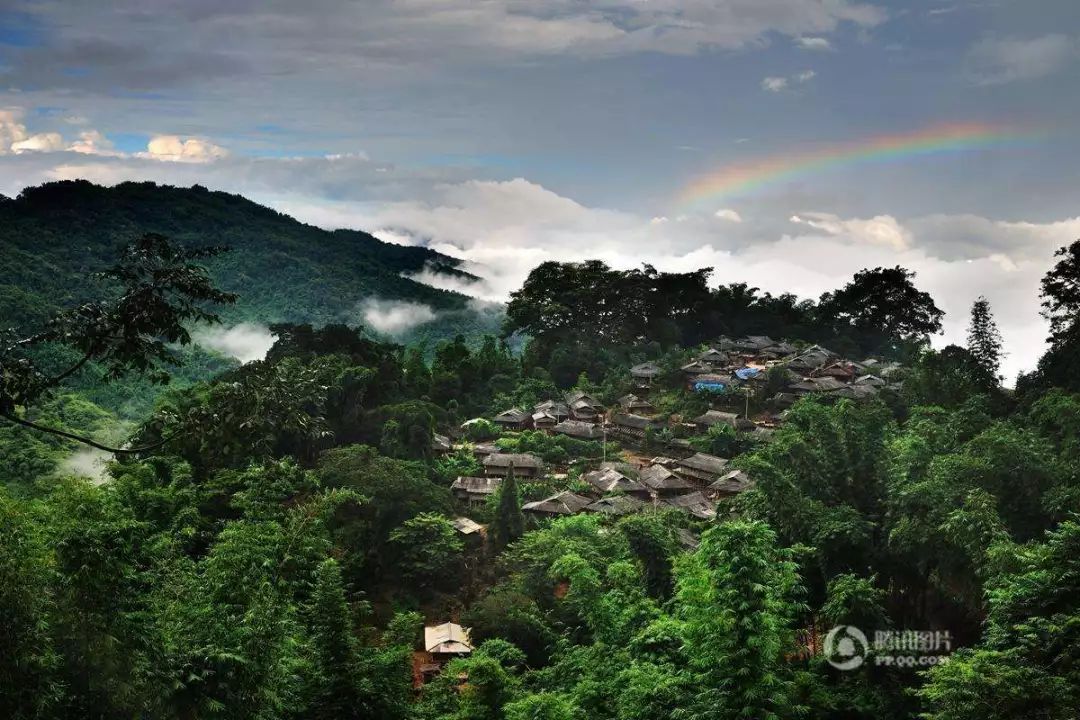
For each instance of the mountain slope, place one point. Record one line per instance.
(52, 237)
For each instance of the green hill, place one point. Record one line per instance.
(54, 236)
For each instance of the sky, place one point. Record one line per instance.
(785, 143)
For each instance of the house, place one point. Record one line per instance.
(442, 643)
(817, 385)
(481, 450)
(440, 444)
(729, 484)
(544, 420)
(694, 503)
(579, 430)
(783, 400)
(662, 481)
(638, 406)
(701, 469)
(523, 464)
(474, 490)
(513, 419)
(840, 370)
(855, 392)
(870, 380)
(564, 503)
(467, 526)
(617, 505)
(609, 480)
(753, 343)
(644, 373)
(714, 358)
(553, 407)
(735, 421)
(584, 407)
(779, 349)
(696, 368)
(633, 426)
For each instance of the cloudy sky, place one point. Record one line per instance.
(787, 143)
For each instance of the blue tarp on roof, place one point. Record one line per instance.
(747, 373)
(716, 387)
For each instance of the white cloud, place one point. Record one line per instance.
(882, 230)
(778, 83)
(728, 214)
(774, 84)
(999, 60)
(12, 129)
(813, 43)
(245, 341)
(92, 142)
(41, 142)
(173, 148)
(394, 317)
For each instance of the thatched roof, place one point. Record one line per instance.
(704, 463)
(658, 477)
(564, 503)
(617, 505)
(518, 460)
(447, 638)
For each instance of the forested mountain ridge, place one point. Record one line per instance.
(54, 236)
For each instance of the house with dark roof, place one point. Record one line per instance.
(714, 358)
(635, 405)
(523, 464)
(579, 430)
(553, 407)
(584, 407)
(735, 421)
(513, 419)
(617, 505)
(644, 373)
(544, 420)
(729, 484)
(694, 503)
(696, 367)
(474, 490)
(440, 444)
(662, 481)
(633, 426)
(564, 503)
(610, 480)
(701, 468)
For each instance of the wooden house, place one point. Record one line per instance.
(735, 421)
(617, 505)
(701, 469)
(442, 643)
(632, 426)
(544, 420)
(584, 407)
(513, 419)
(559, 410)
(564, 503)
(662, 481)
(695, 503)
(729, 484)
(440, 444)
(644, 374)
(610, 480)
(635, 405)
(474, 490)
(579, 430)
(714, 358)
(525, 465)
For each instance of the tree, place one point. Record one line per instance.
(509, 523)
(335, 647)
(1061, 293)
(884, 307)
(735, 599)
(983, 338)
(162, 292)
(428, 551)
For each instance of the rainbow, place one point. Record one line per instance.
(743, 178)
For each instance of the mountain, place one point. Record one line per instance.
(53, 237)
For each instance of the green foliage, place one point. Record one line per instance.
(427, 551)
(509, 523)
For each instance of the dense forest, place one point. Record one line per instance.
(275, 539)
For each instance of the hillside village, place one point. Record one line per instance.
(648, 458)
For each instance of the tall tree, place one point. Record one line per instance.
(509, 523)
(1061, 292)
(983, 338)
(734, 596)
(884, 306)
